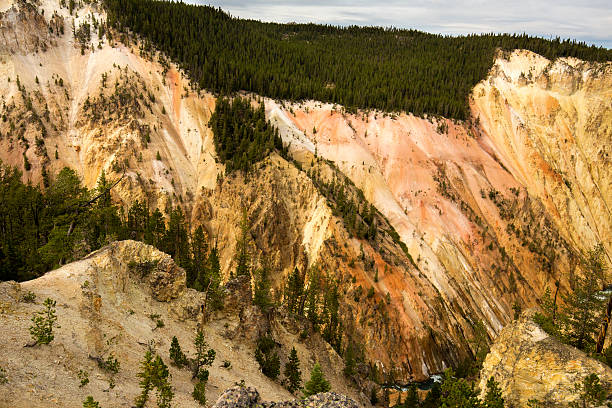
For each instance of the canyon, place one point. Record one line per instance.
(473, 217)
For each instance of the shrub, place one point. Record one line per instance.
(29, 297)
(84, 377)
(111, 364)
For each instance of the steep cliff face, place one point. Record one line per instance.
(550, 124)
(491, 211)
(531, 365)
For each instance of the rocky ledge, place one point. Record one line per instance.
(248, 397)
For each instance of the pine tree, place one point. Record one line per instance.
(261, 295)
(591, 393)
(457, 392)
(267, 357)
(412, 397)
(292, 372)
(584, 305)
(243, 257)
(154, 374)
(43, 322)
(317, 382)
(90, 402)
(294, 291)
(199, 392)
(176, 354)
(204, 357)
(493, 397)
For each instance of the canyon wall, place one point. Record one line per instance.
(492, 211)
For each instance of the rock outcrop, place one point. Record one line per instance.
(530, 364)
(248, 397)
(116, 303)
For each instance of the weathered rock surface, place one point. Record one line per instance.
(248, 397)
(530, 364)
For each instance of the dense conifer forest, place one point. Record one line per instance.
(358, 67)
(242, 134)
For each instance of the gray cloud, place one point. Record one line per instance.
(585, 20)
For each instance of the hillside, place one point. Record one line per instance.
(371, 67)
(104, 304)
(490, 211)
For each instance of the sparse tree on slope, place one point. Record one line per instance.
(292, 372)
(317, 382)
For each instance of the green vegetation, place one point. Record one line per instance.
(493, 396)
(261, 291)
(204, 358)
(319, 303)
(267, 357)
(591, 393)
(292, 372)
(177, 356)
(83, 378)
(43, 229)
(242, 134)
(154, 374)
(3, 377)
(43, 322)
(242, 257)
(111, 364)
(317, 382)
(578, 321)
(29, 297)
(90, 402)
(365, 67)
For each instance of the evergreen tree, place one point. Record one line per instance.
(584, 305)
(154, 374)
(176, 354)
(90, 402)
(261, 295)
(358, 67)
(292, 372)
(199, 392)
(204, 357)
(243, 257)
(198, 275)
(294, 291)
(267, 357)
(43, 322)
(591, 393)
(457, 392)
(412, 397)
(493, 397)
(317, 382)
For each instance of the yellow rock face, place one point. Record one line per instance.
(529, 364)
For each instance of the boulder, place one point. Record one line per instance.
(530, 364)
(247, 397)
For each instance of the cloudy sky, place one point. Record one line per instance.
(586, 20)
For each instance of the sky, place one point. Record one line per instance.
(586, 20)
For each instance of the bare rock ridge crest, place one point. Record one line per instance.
(492, 210)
